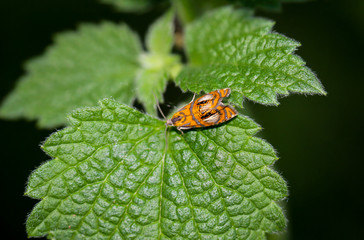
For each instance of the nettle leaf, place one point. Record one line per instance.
(81, 68)
(93, 63)
(113, 177)
(160, 34)
(158, 64)
(232, 48)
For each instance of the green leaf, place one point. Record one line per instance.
(82, 67)
(159, 38)
(113, 177)
(132, 5)
(158, 65)
(189, 10)
(93, 63)
(232, 48)
(152, 79)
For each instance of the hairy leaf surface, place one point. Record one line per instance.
(78, 70)
(90, 64)
(232, 48)
(113, 177)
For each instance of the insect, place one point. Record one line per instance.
(207, 110)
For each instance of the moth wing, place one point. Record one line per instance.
(219, 115)
(211, 117)
(181, 116)
(230, 112)
(204, 103)
(224, 92)
(184, 119)
(207, 110)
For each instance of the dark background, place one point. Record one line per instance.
(319, 139)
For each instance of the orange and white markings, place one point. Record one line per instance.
(207, 110)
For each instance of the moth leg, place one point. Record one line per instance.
(179, 129)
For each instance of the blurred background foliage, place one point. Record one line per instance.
(318, 139)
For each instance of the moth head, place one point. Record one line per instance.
(175, 119)
(169, 123)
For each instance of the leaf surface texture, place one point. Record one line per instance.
(113, 177)
(232, 48)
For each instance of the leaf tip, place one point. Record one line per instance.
(322, 91)
(28, 192)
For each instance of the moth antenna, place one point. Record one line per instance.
(159, 108)
(194, 95)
